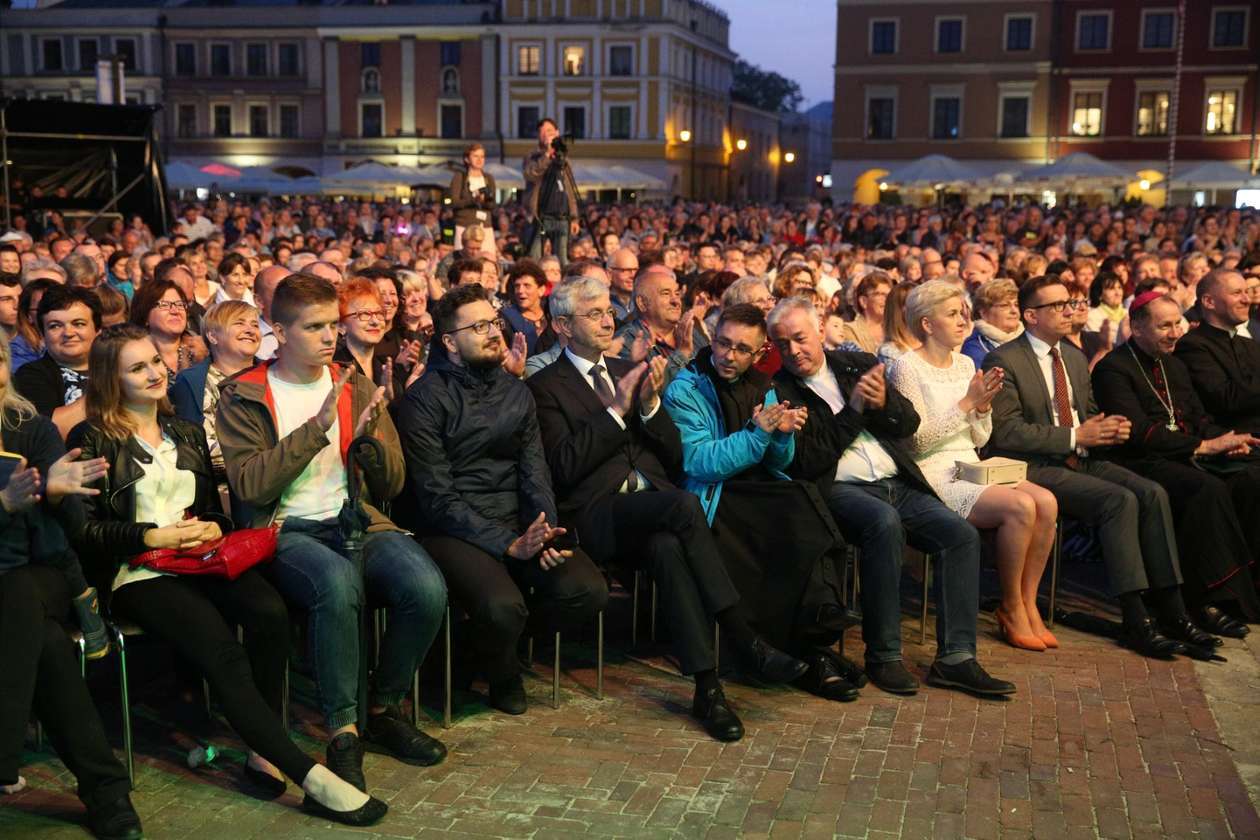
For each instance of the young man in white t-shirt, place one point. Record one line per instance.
(286, 427)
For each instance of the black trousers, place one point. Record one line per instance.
(39, 671)
(666, 532)
(193, 614)
(491, 590)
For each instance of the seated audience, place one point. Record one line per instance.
(1224, 366)
(286, 428)
(997, 303)
(1208, 471)
(659, 321)
(526, 312)
(954, 402)
(486, 509)
(42, 590)
(1045, 414)
(236, 282)
(866, 330)
(1106, 309)
(898, 339)
(161, 308)
(69, 318)
(853, 447)
(612, 451)
(158, 492)
(737, 440)
(28, 342)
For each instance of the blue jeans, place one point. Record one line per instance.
(878, 517)
(312, 571)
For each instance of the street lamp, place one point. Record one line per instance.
(741, 144)
(790, 157)
(685, 135)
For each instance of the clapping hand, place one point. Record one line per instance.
(983, 388)
(684, 338)
(70, 477)
(328, 411)
(870, 390)
(371, 413)
(794, 419)
(652, 385)
(533, 543)
(22, 491)
(514, 360)
(769, 417)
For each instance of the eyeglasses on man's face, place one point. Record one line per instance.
(740, 351)
(482, 327)
(596, 316)
(1061, 306)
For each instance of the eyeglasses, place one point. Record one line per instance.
(595, 316)
(1061, 305)
(739, 351)
(367, 316)
(482, 327)
(171, 305)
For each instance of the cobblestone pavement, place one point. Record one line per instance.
(1097, 743)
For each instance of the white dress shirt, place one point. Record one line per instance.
(584, 367)
(162, 497)
(866, 459)
(1042, 351)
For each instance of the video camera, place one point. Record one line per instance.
(560, 144)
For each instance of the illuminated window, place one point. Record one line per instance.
(1087, 114)
(575, 61)
(1221, 112)
(528, 61)
(1152, 114)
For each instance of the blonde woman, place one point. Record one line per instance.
(954, 403)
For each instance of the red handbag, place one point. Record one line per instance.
(229, 556)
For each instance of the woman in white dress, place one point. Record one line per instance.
(954, 402)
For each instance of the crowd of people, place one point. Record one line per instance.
(721, 397)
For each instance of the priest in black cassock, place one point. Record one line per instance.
(1211, 473)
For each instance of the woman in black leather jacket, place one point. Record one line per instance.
(160, 493)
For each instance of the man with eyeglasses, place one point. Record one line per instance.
(612, 451)
(69, 317)
(737, 442)
(661, 326)
(1046, 415)
(623, 266)
(485, 507)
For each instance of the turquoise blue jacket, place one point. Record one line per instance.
(711, 454)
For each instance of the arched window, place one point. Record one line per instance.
(450, 81)
(371, 80)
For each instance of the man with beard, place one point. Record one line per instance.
(852, 447)
(486, 509)
(1224, 365)
(1213, 484)
(737, 440)
(612, 451)
(659, 323)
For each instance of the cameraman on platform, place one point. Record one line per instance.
(550, 193)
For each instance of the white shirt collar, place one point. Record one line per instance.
(1039, 347)
(583, 366)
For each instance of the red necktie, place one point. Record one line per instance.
(1062, 404)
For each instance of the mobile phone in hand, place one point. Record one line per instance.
(9, 463)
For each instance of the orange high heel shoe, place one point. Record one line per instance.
(1048, 639)
(1014, 639)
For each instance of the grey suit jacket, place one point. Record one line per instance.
(1023, 415)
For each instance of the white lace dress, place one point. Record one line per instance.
(946, 434)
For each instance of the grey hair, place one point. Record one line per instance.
(792, 304)
(79, 268)
(573, 290)
(42, 264)
(645, 275)
(742, 289)
(924, 300)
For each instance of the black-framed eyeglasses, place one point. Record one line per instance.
(1061, 305)
(482, 327)
(739, 351)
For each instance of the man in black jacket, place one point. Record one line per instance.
(612, 450)
(851, 446)
(478, 477)
(1224, 365)
(1213, 482)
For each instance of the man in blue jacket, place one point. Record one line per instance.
(737, 442)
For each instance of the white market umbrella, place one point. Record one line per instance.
(373, 177)
(1212, 175)
(930, 170)
(632, 179)
(1077, 168)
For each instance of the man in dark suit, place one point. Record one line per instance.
(1213, 482)
(851, 446)
(1224, 365)
(1045, 414)
(612, 450)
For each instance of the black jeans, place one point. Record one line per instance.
(39, 670)
(490, 590)
(190, 612)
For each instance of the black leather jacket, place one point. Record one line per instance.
(110, 534)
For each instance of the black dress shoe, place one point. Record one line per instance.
(116, 821)
(771, 665)
(1183, 629)
(719, 721)
(345, 758)
(970, 677)
(825, 680)
(369, 813)
(509, 696)
(264, 784)
(1145, 638)
(392, 734)
(892, 677)
(1216, 620)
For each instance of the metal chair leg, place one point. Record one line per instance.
(652, 624)
(717, 647)
(415, 698)
(284, 707)
(446, 672)
(634, 611)
(599, 655)
(927, 586)
(555, 675)
(126, 708)
(1054, 570)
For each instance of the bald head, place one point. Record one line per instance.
(325, 270)
(265, 283)
(977, 269)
